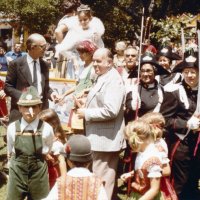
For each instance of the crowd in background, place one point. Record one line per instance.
(142, 104)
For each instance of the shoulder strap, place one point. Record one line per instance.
(40, 126)
(17, 125)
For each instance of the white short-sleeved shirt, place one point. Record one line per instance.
(57, 147)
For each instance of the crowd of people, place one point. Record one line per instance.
(142, 107)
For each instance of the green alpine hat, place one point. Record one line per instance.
(29, 97)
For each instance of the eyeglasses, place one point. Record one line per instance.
(130, 55)
(149, 71)
(41, 46)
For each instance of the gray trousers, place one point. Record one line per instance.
(105, 166)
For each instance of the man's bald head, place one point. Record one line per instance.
(105, 53)
(36, 45)
(33, 39)
(102, 60)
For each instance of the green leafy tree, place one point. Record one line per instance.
(169, 29)
(37, 15)
(122, 18)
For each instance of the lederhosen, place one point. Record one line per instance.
(28, 173)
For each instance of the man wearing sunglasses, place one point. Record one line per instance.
(29, 70)
(131, 61)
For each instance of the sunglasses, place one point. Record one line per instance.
(130, 55)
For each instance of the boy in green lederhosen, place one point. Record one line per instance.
(29, 141)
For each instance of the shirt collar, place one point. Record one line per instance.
(16, 54)
(79, 172)
(31, 126)
(30, 59)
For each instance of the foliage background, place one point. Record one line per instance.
(122, 18)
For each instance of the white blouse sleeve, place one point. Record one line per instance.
(57, 148)
(164, 157)
(154, 171)
(11, 131)
(97, 26)
(47, 138)
(164, 152)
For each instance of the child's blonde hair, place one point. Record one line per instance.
(136, 132)
(51, 117)
(157, 121)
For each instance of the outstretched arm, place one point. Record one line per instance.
(59, 32)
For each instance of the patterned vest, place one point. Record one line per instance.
(81, 188)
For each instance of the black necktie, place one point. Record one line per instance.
(35, 80)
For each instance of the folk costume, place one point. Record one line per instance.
(28, 143)
(80, 182)
(178, 110)
(147, 165)
(170, 77)
(165, 185)
(53, 167)
(150, 95)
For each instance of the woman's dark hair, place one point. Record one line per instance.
(50, 116)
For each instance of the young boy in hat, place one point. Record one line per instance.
(29, 140)
(80, 182)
